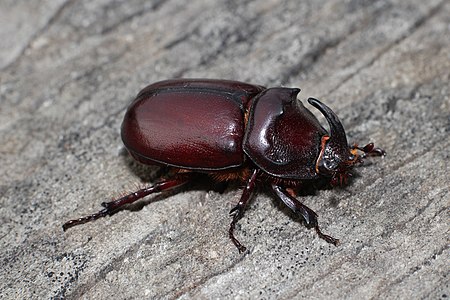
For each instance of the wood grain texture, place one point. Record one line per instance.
(68, 72)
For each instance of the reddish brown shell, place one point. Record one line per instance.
(191, 124)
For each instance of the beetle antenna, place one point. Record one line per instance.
(369, 150)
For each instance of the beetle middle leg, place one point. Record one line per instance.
(308, 214)
(238, 210)
(113, 206)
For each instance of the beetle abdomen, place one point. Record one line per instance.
(193, 124)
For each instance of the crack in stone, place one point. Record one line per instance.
(309, 59)
(52, 20)
(155, 6)
(415, 26)
(113, 265)
(194, 286)
(411, 271)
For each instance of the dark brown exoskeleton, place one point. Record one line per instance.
(235, 131)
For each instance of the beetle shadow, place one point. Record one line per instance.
(146, 173)
(202, 182)
(309, 188)
(150, 174)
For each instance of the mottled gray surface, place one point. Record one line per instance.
(68, 71)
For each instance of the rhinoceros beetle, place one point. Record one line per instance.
(235, 131)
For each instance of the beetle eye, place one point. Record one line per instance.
(330, 164)
(334, 158)
(331, 160)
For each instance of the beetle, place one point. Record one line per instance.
(237, 131)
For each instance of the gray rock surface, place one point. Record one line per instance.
(68, 71)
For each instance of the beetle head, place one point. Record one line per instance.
(336, 158)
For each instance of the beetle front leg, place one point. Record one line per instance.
(308, 214)
(238, 211)
(113, 206)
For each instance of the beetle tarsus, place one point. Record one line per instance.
(82, 220)
(241, 248)
(238, 211)
(113, 206)
(327, 238)
(309, 216)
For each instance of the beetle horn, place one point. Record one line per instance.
(337, 131)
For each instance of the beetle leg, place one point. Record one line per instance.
(238, 211)
(113, 206)
(308, 214)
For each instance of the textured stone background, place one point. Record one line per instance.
(68, 71)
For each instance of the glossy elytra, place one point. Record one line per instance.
(235, 131)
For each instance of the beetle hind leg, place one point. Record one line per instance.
(309, 216)
(113, 206)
